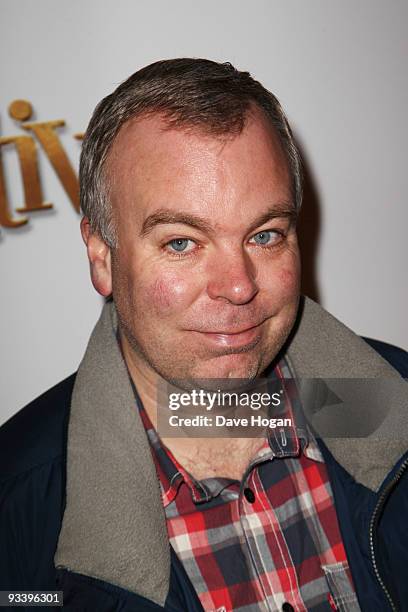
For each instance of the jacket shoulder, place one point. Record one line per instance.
(36, 434)
(396, 356)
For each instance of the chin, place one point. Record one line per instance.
(223, 375)
(234, 365)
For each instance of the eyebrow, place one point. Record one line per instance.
(286, 210)
(165, 216)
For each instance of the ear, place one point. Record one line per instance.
(99, 256)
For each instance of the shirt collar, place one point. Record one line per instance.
(299, 437)
(280, 442)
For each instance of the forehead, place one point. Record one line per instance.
(151, 166)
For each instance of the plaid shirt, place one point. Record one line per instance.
(269, 542)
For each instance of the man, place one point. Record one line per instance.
(190, 188)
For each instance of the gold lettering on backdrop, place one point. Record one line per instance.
(27, 156)
(6, 219)
(53, 148)
(25, 146)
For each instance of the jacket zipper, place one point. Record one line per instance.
(373, 524)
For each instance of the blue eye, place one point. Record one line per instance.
(179, 245)
(265, 237)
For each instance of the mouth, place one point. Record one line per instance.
(232, 338)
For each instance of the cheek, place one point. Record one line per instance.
(169, 294)
(283, 284)
(288, 279)
(289, 273)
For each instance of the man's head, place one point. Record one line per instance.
(190, 185)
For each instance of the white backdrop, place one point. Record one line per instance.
(339, 69)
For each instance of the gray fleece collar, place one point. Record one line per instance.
(322, 347)
(114, 525)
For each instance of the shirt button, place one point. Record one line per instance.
(250, 495)
(287, 607)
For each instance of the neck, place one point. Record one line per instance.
(201, 457)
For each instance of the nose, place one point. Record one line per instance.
(232, 278)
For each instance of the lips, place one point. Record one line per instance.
(236, 339)
(224, 332)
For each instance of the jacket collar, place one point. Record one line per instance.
(114, 525)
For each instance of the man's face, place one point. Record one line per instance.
(206, 274)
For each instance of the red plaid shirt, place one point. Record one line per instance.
(269, 542)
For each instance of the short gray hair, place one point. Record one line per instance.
(199, 94)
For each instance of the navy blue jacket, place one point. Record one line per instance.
(32, 489)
